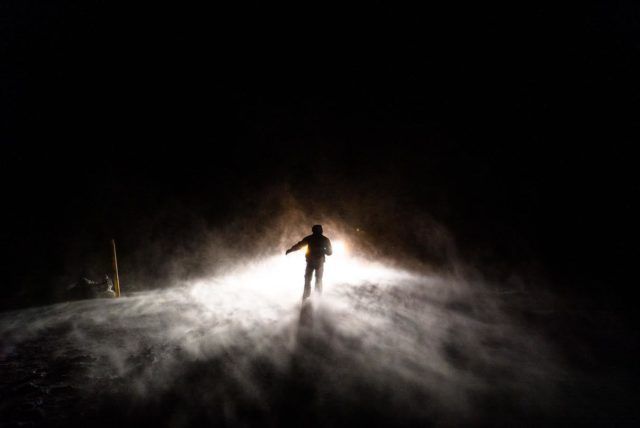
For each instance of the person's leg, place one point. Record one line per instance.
(307, 281)
(319, 273)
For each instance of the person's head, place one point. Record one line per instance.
(317, 229)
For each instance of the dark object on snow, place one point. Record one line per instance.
(318, 246)
(85, 288)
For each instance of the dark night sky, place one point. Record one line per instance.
(511, 125)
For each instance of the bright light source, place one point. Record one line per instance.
(275, 283)
(339, 248)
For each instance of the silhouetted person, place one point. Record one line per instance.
(318, 246)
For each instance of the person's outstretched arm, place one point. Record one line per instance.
(297, 246)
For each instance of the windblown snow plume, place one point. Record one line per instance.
(382, 346)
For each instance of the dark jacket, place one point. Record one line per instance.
(317, 247)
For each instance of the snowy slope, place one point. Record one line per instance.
(382, 346)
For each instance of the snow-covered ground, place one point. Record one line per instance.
(382, 346)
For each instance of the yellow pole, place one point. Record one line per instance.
(116, 278)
